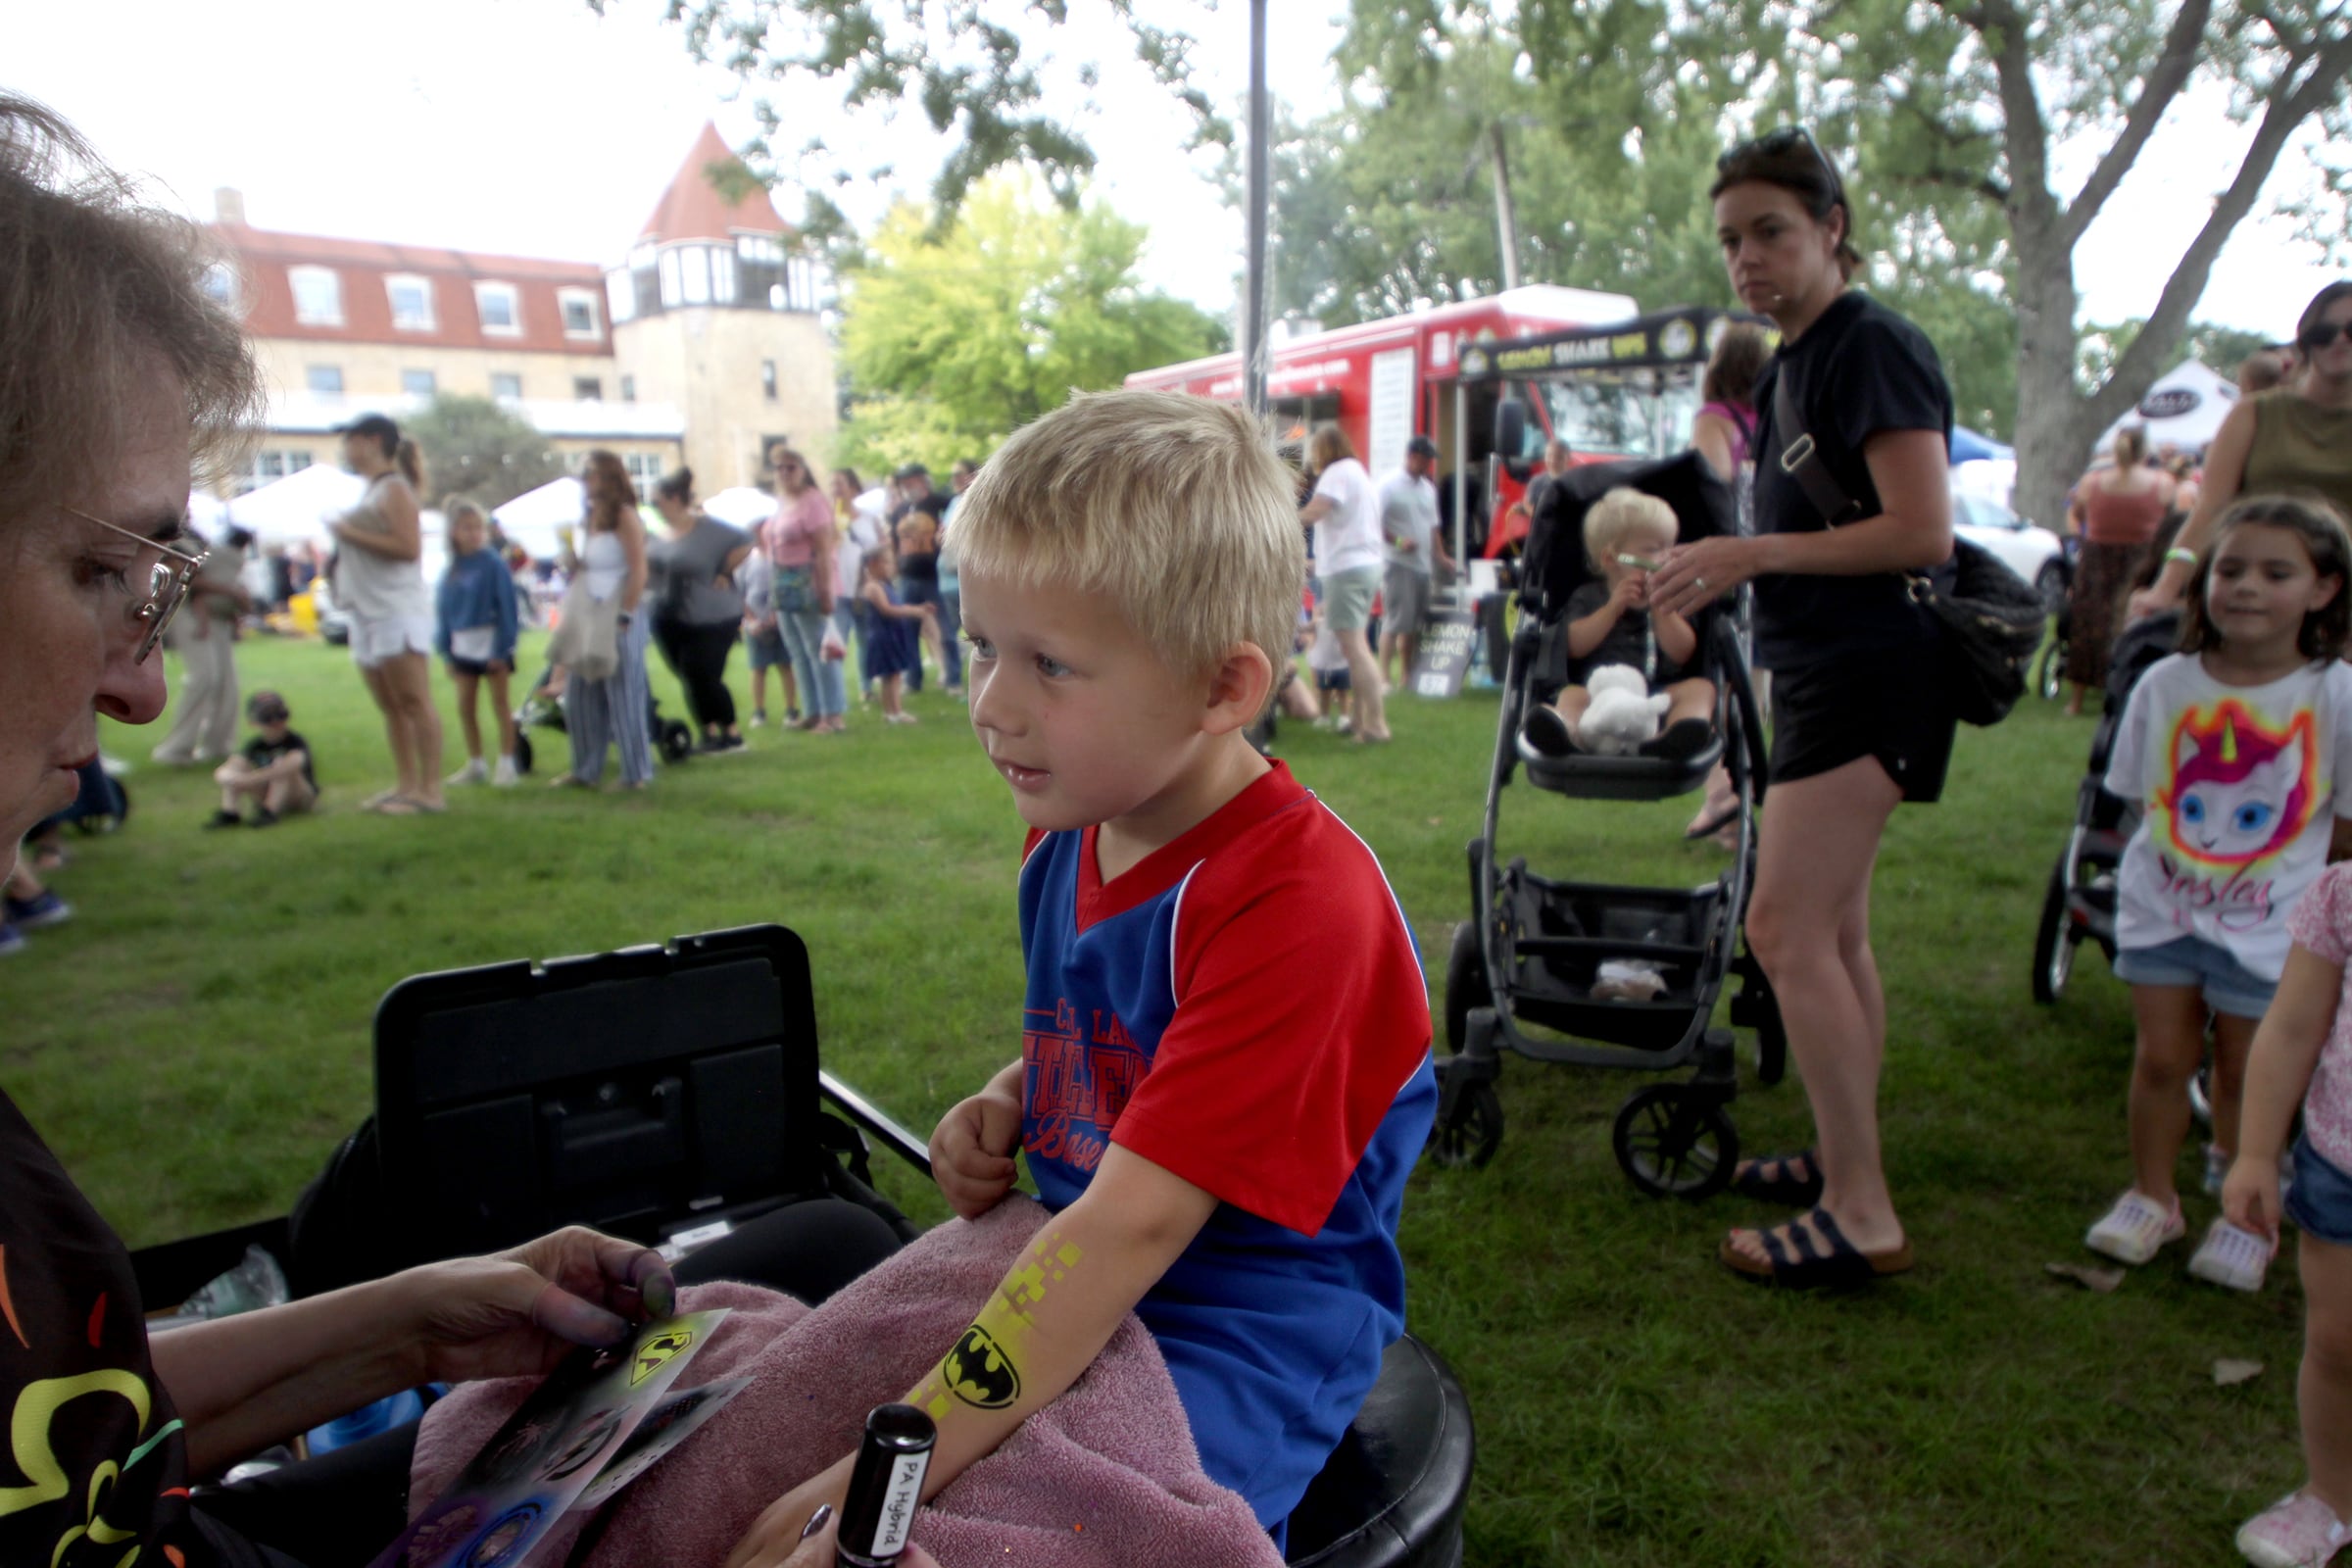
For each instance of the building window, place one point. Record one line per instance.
(694, 274)
(501, 311)
(620, 295)
(412, 302)
(669, 277)
(269, 466)
(759, 250)
(767, 379)
(318, 295)
(722, 277)
(628, 389)
(588, 388)
(506, 386)
(644, 470)
(418, 383)
(327, 379)
(580, 312)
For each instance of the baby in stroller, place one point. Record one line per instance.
(1627, 535)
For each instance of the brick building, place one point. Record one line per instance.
(702, 345)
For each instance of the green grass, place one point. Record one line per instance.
(197, 1038)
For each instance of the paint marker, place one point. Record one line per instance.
(885, 1485)
(1639, 563)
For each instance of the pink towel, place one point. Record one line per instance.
(1106, 1475)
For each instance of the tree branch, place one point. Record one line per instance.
(2142, 362)
(2025, 133)
(2156, 94)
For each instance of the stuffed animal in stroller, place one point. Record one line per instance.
(1623, 714)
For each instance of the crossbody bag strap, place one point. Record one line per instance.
(1801, 461)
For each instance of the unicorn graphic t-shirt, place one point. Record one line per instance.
(2238, 789)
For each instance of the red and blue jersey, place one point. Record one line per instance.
(1243, 1007)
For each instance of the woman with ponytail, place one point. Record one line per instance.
(2117, 510)
(380, 583)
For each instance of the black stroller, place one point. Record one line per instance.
(2079, 906)
(1531, 953)
(543, 707)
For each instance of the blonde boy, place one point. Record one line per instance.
(1223, 1146)
(1627, 535)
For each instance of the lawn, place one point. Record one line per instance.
(194, 1042)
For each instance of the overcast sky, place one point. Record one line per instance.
(535, 127)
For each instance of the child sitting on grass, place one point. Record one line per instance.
(1224, 1151)
(1627, 535)
(272, 772)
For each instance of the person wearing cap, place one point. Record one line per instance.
(1408, 521)
(380, 584)
(272, 772)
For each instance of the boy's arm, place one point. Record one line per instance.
(1043, 1326)
(1678, 639)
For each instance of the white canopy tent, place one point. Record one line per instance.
(744, 507)
(2184, 409)
(534, 519)
(298, 506)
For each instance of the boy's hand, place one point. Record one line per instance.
(2250, 1196)
(1630, 590)
(971, 1150)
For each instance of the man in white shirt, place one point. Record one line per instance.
(1416, 551)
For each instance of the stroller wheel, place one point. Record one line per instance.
(2200, 1095)
(523, 752)
(1466, 984)
(677, 741)
(2050, 670)
(1473, 1133)
(2054, 942)
(1675, 1141)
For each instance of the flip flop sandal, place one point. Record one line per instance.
(399, 805)
(379, 800)
(1712, 823)
(1800, 1265)
(1780, 1187)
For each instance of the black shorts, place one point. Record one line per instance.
(477, 668)
(1891, 706)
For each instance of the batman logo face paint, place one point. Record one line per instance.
(979, 1373)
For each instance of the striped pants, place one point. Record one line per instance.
(598, 714)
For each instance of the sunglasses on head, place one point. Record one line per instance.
(2322, 335)
(1778, 143)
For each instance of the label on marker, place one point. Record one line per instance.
(897, 1522)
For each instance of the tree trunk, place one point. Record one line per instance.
(2055, 425)
(1507, 213)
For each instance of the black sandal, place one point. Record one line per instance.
(1791, 1192)
(1800, 1265)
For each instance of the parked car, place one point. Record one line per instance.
(2033, 552)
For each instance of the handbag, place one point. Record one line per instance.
(587, 635)
(1992, 619)
(795, 589)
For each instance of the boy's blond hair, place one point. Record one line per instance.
(1175, 507)
(1619, 513)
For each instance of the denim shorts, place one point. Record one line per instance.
(2321, 1202)
(2228, 986)
(766, 648)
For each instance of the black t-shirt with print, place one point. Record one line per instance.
(261, 751)
(96, 1466)
(1858, 369)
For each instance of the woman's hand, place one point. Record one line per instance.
(1696, 574)
(2153, 599)
(519, 1312)
(776, 1540)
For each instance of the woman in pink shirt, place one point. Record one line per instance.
(800, 544)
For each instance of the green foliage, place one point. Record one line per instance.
(476, 447)
(954, 335)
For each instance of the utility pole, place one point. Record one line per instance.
(1253, 305)
(1506, 217)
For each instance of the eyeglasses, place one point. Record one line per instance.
(166, 585)
(1787, 139)
(2322, 335)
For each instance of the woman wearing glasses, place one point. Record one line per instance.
(116, 371)
(2295, 437)
(1861, 722)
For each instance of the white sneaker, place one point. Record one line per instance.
(475, 771)
(2295, 1532)
(504, 776)
(2232, 1258)
(2134, 1228)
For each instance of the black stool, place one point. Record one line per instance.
(1391, 1496)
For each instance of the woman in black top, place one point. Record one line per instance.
(1862, 721)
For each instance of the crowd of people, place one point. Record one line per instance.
(1127, 581)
